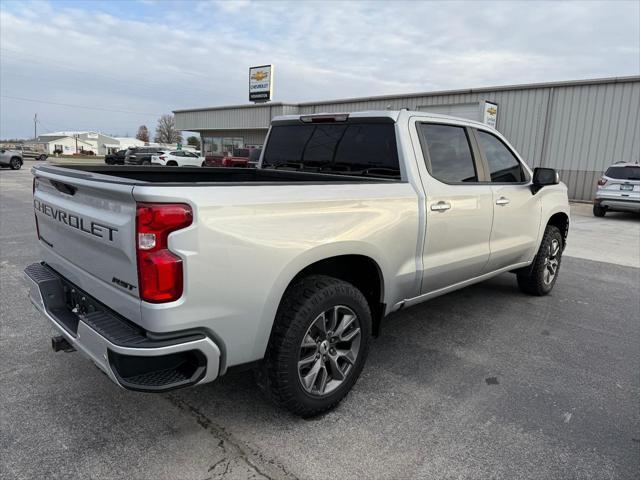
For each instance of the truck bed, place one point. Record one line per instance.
(168, 176)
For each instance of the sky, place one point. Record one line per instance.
(114, 65)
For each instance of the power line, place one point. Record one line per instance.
(34, 100)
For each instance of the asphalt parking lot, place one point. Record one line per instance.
(482, 383)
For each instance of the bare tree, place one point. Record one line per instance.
(143, 133)
(166, 130)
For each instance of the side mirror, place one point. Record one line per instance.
(543, 177)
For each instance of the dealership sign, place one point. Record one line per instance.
(260, 83)
(490, 116)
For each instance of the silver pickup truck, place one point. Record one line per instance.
(167, 277)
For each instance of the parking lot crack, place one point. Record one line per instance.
(234, 450)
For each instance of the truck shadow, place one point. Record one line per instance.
(415, 345)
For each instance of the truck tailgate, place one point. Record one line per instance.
(90, 225)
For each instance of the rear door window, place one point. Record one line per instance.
(448, 155)
(504, 167)
(346, 148)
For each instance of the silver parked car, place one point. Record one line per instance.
(618, 189)
(11, 159)
(37, 153)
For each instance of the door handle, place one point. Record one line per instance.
(502, 201)
(440, 206)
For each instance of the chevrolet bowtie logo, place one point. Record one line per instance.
(259, 76)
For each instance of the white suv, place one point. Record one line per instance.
(618, 189)
(177, 158)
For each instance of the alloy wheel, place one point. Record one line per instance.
(552, 262)
(329, 350)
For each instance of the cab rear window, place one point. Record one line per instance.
(346, 148)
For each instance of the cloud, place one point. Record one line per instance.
(153, 58)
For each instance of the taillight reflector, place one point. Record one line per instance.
(34, 212)
(160, 274)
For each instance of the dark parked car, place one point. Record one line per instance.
(115, 158)
(141, 155)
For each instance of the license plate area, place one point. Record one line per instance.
(626, 187)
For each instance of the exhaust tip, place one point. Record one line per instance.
(59, 343)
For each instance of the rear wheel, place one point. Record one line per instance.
(599, 211)
(146, 162)
(318, 346)
(172, 163)
(42, 157)
(542, 276)
(15, 163)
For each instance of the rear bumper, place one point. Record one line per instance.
(131, 357)
(618, 203)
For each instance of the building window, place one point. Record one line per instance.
(220, 146)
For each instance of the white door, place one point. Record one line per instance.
(191, 160)
(517, 214)
(459, 208)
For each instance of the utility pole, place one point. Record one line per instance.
(76, 135)
(35, 126)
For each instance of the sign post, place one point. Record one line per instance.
(261, 83)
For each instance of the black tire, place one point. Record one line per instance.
(146, 162)
(302, 305)
(42, 157)
(15, 163)
(537, 279)
(599, 211)
(172, 163)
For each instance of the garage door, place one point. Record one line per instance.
(470, 111)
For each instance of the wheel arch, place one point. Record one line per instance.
(361, 271)
(561, 221)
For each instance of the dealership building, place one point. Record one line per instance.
(577, 127)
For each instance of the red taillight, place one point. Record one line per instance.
(225, 162)
(160, 274)
(162, 157)
(602, 182)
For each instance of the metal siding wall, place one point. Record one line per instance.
(591, 127)
(254, 117)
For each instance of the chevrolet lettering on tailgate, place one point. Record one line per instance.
(74, 221)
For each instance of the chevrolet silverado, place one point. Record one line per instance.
(167, 277)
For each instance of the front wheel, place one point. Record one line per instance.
(540, 278)
(15, 163)
(318, 346)
(42, 157)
